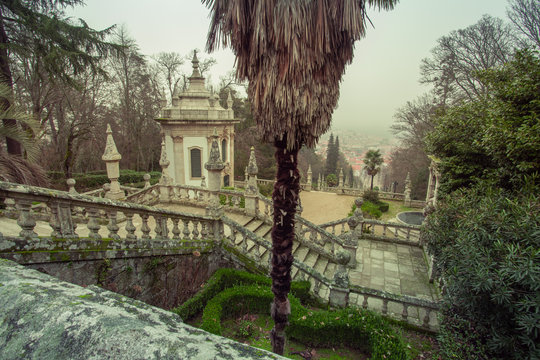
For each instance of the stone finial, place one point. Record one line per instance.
(214, 161)
(164, 163)
(319, 183)
(110, 153)
(408, 181)
(309, 170)
(340, 184)
(245, 174)
(146, 178)
(71, 185)
(252, 168)
(195, 61)
(229, 101)
(358, 212)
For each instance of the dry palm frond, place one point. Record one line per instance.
(26, 126)
(293, 52)
(14, 168)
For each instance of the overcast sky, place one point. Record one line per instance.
(385, 69)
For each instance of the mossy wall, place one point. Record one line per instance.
(159, 273)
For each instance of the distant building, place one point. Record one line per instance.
(188, 126)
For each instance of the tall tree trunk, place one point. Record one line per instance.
(285, 197)
(13, 146)
(372, 176)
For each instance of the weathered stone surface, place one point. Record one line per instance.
(45, 318)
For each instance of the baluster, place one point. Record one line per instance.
(342, 228)
(266, 214)
(317, 286)
(204, 230)
(312, 236)
(195, 230)
(130, 228)
(333, 229)
(164, 227)
(145, 229)
(365, 303)
(257, 251)
(408, 234)
(405, 312)
(176, 229)
(244, 243)
(232, 236)
(385, 306)
(54, 222)
(113, 226)
(157, 228)
(236, 201)
(186, 232)
(384, 230)
(301, 276)
(26, 220)
(332, 247)
(426, 319)
(93, 225)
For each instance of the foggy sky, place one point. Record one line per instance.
(382, 77)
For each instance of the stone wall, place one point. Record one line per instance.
(160, 273)
(45, 318)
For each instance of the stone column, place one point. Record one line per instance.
(214, 166)
(178, 151)
(251, 192)
(339, 290)
(165, 179)
(407, 192)
(112, 159)
(319, 183)
(309, 178)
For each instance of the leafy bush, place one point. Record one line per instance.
(331, 180)
(371, 195)
(487, 248)
(266, 189)
(353, 327)
(225, 278)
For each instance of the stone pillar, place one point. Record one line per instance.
(146, 178)
(407, 192)
(339, 290)
(214, 166)
(340, 184)
(251, 192)
(165, 179)
(309, 178)
(112, 159)
(319, 183)
(71, 186)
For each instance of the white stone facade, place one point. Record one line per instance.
(187, 128)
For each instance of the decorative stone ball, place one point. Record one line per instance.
(343, 257)
(71, 182)
(146, 177)
(358, 202)
(353, 222)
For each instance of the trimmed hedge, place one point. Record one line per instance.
(95, 179)
(353, 327)
(225, 278)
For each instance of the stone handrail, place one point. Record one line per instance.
(98, 210)
(233, 229)
(392, 232)
(147, 196)
(100, 192)
(268, 212)
(341, 224)
(405, 301)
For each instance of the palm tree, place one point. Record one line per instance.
(372, 163)
(14, 168)
(293, 53)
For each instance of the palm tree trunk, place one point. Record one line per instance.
(285, 197)
(372, 181)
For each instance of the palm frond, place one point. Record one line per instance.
(293, 53)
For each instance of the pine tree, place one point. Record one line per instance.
(40, 28)
(329, 168)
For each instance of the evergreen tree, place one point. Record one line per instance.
(330, 167)
(40, 28)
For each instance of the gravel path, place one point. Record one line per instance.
(320, 207)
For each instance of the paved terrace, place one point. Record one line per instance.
(395, 268)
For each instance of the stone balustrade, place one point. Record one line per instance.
(102, 213)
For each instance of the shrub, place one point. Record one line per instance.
(371, 195)
(266, 189)
(383, 206)
(487, 246)
(332, 180)
(225, 278)
(353, 327)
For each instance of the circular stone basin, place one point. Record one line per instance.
(411, 217)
